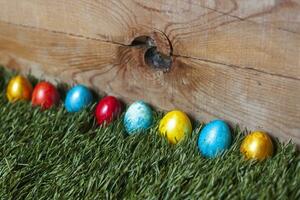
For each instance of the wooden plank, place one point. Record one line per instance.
(282, 14)
(205, 90)
(262, 36)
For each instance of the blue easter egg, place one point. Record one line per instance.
(214, 138)
(138, 117)
(78, 98)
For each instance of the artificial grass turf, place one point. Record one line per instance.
(57, 155)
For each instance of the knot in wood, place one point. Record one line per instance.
(158, 50)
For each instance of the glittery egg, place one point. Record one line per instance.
(175, 126)
(78, 98)
(19, 88)
(138, 117)
(257, 145)
(214, 138)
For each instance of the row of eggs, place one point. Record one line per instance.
(175, 126)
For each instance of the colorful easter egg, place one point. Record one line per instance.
(214, 138)
(257, 145)
(19, 88)
(78, 98)
(45, 95)
(175, 126)
(138, 117)
(108, 109)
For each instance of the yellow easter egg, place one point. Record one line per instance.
(257, 145)
(19, 88)
(175, 126)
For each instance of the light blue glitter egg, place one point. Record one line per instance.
(138, 117)
(214, 138)
(77, 98)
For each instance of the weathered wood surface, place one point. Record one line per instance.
(235, 60)
(194, 30)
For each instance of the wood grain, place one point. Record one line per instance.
(282, 14)
(259, 35)
(204, 89)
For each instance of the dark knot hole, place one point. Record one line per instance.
(153, 57)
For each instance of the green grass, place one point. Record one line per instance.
(57, 155)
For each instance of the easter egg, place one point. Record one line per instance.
(138, 117)
(175, 126)
(257, 145)
(214, 138)
(108, 109)
(45, 95)
(78, 98)
(19, 88)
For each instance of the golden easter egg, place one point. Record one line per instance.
(257, 145)
(19, 88)
(175, 126)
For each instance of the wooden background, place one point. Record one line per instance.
(238, 60)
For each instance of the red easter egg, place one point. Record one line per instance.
(45, 95)
(108, 109)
